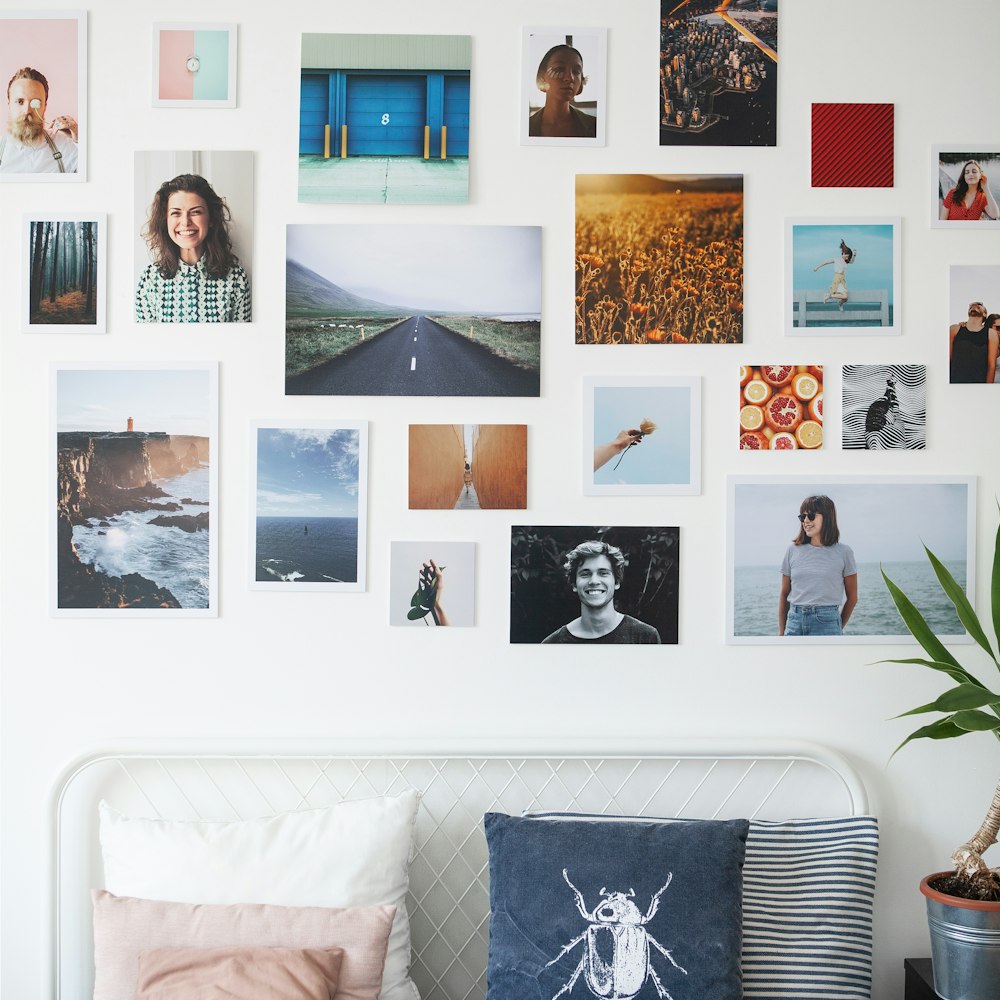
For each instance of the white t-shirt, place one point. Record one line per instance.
(817, 573)
(20, 159)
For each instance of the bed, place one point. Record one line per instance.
(448, 899)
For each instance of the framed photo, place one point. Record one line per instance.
(134, 490)
(468, 467)
(193, 239)
(563, 86)
(310, 505)
(842, 277)
(642, 436)
(578, 585)
(194, 65)
(884, 407)
(781, 407)
(64, 273)
(44, 56)
(865, 524)
(461, 317)
(965, 179)
(974, 333)
(718, 74)
(635, 287)
(433, 584)
(385, 119)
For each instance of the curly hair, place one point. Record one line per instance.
(820, 504)
(218, 247)
(962, 186)
(27, 73)
(587, 550)
(541, 82)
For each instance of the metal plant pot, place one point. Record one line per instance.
(965, 944)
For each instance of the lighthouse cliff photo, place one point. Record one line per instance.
(134, 490)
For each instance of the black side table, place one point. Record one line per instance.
(919, 981)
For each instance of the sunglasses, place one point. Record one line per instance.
(809, 515)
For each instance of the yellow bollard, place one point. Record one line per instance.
(427, 142)
(326, 142)
(444, 142)
(343, 142)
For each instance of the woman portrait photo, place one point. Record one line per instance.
(563, 88)
(192, 271)
(967, 188)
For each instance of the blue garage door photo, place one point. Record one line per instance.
(456, 114)
(313, 112)
(386, 115)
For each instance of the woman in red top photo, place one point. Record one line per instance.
(970, 199)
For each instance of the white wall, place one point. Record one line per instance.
(312, 664)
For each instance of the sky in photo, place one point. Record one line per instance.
(475, 269)
(176, 401)
(814, 244)
(881, 522)
(307, 472)
(973, 283)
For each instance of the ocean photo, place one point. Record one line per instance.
(309, 507)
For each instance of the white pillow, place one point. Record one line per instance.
(351, 854)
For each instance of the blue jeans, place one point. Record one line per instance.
(813, 619)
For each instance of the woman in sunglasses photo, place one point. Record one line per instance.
(819, 576)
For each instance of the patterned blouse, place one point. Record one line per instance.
(191, 296)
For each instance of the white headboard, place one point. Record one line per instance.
(449, 901)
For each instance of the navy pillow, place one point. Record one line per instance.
(583, 909)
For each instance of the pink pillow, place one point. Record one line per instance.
(125, 926)
(239, 973)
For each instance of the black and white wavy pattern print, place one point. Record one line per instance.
(873, 420)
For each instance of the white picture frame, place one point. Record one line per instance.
(945, 172)
(208, 63)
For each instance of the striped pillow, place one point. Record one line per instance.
(808, 887)
(808, 890)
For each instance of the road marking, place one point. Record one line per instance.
(413, 364)
(414, 340)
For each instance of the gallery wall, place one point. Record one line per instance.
(330, 665)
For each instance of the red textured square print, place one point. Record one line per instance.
(852, 145)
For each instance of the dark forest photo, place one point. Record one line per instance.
(64, 287)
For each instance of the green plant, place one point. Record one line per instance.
(426, 598)
(968, 707)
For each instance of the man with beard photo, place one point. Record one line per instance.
(594, 570)
(28, 146)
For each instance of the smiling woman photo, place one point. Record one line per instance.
(195, 277)
(819, 576)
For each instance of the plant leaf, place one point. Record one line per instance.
(966, 613)
(976, 722)
(943, 729)
(414, 613)
(918, 627)
(995, 586)
(965, 696)
(953, 670)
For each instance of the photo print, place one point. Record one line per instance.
(642, 436)
(310, 490)
(193, 238)
(43, 63)
(194, 65)
(384, 119)
(659, 259)
(578, 585)
(842, 276)
(781, 407)
(64, 274)
(966, 186)
(468, 467)
(974, 333)
(134, 488)
(853, 145)
(805, 556)
(718, 73)
(432, 584)
(884, 407)
(367, 316)
(563, 86)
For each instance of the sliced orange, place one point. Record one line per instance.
(805, 386)
(746, 373)
(809, 434)
(757, 392)
(751, 418)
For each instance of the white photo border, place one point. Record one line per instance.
(935, 183)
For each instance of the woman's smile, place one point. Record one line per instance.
(187, 224)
